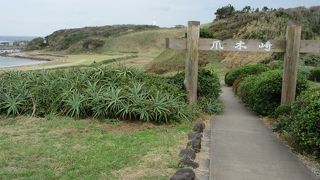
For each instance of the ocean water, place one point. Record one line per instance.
(16, 38)
(11, 62)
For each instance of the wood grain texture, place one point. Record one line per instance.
(306, 46)
(291, 61)
(191, 69)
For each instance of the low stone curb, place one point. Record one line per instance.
(188, 155)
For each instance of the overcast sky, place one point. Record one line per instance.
(42, 17)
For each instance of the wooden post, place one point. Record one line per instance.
(291, 62)
(191, 69)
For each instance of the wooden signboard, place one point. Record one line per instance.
(292, 46)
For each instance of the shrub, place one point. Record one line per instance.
(244, 71)
(305, 71)
(263, 92)
(205, 33)
(91, 44)
(315, 75)
(36, 44)
(311, 60)
(93, 92)
(208, 83)
(300, 122)
(208, 90)
(211, 105)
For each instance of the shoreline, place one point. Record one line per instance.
(36, 57)
(26, 57)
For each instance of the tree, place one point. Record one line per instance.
(265, 9)
(205, 33)
(246, 9)
(224, 12)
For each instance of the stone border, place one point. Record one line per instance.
(188, 155)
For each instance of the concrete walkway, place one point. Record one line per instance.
(243, 148)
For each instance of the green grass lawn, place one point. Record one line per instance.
(64, 148)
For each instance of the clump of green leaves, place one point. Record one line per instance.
(209, 89)
(122, 93)
(315, 75)
(243, 71)
(300, 122)
(263, 92)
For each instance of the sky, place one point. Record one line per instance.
(42, 17)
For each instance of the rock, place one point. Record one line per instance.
(195, 144)
(188, 152)
(187, 162)
(184, 174)
(199, 126)
(193, 135)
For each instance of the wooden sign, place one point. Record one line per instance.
(242, 45)
(292, 46)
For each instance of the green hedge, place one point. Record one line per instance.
(300, 122)
(311, 60)
(209, 90)
(208, 83)
(244, 71)
(315, 75)
(263, 92)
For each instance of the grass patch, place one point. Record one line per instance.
(64, 148)
(62, 60)
(174, 60)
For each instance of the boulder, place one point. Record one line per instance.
(188, 152)
(199, 126)
(195, 144)
(187, 162)
(184, 174)
(193, 135)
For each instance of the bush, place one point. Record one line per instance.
(208, 83)
(92, 44)
(311, 60)
(244, 71)
(211, 105)
(93, 92)
(263, 92)
(209, 90)
(205, 33)
(305, 71)
(315, 75)
(300, 122)
(36, 44)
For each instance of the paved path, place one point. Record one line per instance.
(243, 148)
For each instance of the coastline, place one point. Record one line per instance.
(36, 57)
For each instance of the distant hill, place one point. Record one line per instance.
(264, 24)
(248, 23)
(124, 38)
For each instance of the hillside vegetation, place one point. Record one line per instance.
(265, 24)
(248, 23)
(117, 38)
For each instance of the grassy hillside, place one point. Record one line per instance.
(174, 60)
(118, 38)
(143, 41)
(266, 24)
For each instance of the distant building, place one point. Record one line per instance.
(20, 43)
(4, 43)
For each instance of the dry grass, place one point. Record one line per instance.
(64, 148)
(236, 59)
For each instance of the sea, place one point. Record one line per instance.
(10, 61)
(11, 39)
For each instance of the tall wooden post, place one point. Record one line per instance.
(291, 62)
(191, 69)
